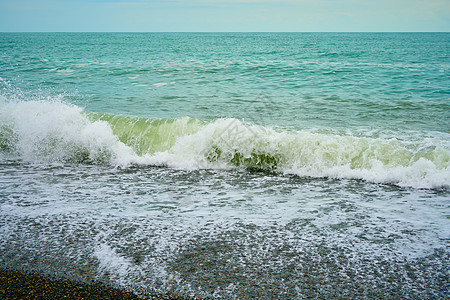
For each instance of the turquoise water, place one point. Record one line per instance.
(159, 161)
(338, 81)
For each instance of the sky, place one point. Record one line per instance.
(224, 15)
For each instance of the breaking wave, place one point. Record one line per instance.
(57, 132)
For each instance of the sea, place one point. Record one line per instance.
(229, 165)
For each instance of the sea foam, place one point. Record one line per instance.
(56, 132)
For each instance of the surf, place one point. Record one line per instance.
(52, 131)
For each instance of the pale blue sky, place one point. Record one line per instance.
(225, 15)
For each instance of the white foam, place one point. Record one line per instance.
(111, 262)
(53, 131)
(315, 155)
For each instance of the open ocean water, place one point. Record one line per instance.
(229, 165)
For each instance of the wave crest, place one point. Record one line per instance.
(53, 131)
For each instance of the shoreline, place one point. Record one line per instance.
(15, 284)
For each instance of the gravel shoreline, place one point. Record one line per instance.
(20, 285)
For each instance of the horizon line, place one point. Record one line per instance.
(224, 31)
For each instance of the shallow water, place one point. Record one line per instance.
(229, 233)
